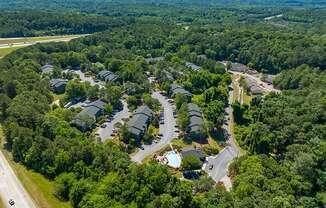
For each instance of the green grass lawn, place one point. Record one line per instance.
(39, 187)
(5, 51)
(247, 98)
(235, 86)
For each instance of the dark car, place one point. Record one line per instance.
(11, 202)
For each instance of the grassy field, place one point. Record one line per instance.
(32, 39)
(235, 87)
(39, 187)
(5, 51)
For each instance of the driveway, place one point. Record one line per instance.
(167, 129)
(105, 133)
(11, 188)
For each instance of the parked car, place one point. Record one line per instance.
(211, 167)
(11, 202)
(160, 134)
(162, 122)
(103, 126)
(141, 147)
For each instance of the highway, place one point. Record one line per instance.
(11, 188)
(167, 129)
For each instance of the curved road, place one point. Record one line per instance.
(167, 129)
(11, 188)
(222, 160)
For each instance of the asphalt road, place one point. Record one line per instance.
(11, 188)
(105, 133)
(167, 129)
(222, 160)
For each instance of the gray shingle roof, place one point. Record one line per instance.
(46, 68)
(175, 89)
(195, 118)
(92, 110)
(58, 82)
(239, 67)
(140, 119)
(193, 66)
(144, 110)
(98, 104)
(193, 107)
(253, 86)
(110, 78)
(107, 76)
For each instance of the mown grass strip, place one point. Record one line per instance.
(39, 187)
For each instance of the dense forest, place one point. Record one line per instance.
(32, 23)
(283, 134)
(289, 130)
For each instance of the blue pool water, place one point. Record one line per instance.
(174, 159)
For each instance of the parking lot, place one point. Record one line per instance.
(107, 129)
(167, 131)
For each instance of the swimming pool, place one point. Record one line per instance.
(174, 159)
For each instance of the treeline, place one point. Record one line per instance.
(33, 23)
(287, 132)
